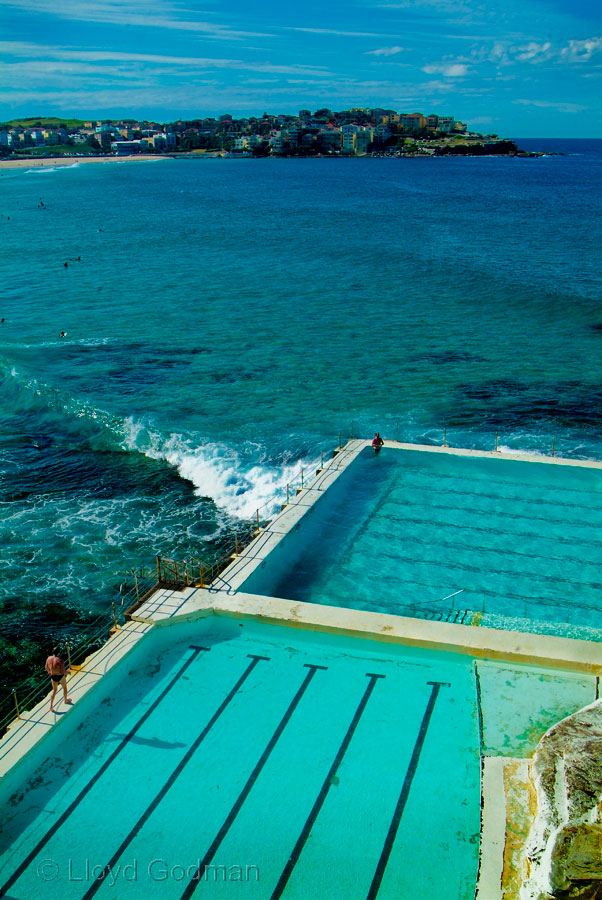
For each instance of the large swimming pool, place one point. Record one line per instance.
(231, 760)
(453, 537)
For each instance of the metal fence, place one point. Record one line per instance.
(84, 639)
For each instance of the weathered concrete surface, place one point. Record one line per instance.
(521, 805)
(565, 845)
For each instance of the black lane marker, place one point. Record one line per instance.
(65, 815)
(479, 708)
(94, 887)
(194, 881)
(405, 790)
(309, 824)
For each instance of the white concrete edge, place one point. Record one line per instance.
(545, 651)
(523, 456)
(38, 722)
(493, 829)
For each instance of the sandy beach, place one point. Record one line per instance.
(75, 161)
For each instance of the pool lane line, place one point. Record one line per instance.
(200, 871)
(75, 803)
(97, 883)
(326, 785)
(405, 790)
(479, 708)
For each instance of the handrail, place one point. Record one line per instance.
(28, 693)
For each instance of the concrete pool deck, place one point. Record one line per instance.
(562, 674)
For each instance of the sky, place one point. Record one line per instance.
(518, 68)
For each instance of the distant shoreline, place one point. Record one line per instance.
(50, 161)
(54, 161)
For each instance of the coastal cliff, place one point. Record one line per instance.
(564, 848)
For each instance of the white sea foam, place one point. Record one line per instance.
(39, 169)
(536, 454)
(237, 484)
(220, 472)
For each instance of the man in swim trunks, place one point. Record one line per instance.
(56, 669)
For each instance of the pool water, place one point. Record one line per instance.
(243, 760)
(401, 531)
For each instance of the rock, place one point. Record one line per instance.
(565, 844)
(577, 856)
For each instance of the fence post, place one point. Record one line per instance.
(201, 574)
(136, 585)
(115, 625)
(287, 493)
(397, 430)
(302, 481)
(158, 568)
(258, 518)
(496, 437)
(236, 544)
(322, 460)
(340, 445)
(16, 703)
(553, 446)
(445, 437)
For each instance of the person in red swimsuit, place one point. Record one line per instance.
(377, 442)
(56, 669)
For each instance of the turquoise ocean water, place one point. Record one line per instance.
(226, 319)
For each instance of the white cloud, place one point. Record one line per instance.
(448, 70)
(582, 51)
(61, 56)
(504, 53)
(153, 14)
(385, 51)
(336, 32)
(534, 52)
(553, 104)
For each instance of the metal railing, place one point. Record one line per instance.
(82, 640)
(194, 572)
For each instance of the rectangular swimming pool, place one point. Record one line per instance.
(516, 543)
(240, 760)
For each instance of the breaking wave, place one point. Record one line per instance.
(239, 482)
(239, 486)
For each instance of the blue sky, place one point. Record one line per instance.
(520, 68)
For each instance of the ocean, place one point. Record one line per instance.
(226, 320)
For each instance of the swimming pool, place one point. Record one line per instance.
(511, 541)
(244, 760)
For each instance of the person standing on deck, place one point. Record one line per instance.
(56, 669)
